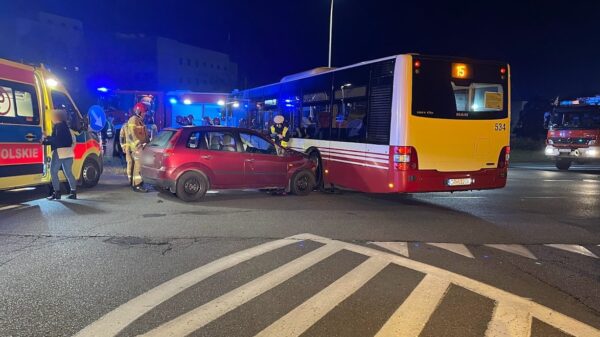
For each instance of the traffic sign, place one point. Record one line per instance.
(97, 117)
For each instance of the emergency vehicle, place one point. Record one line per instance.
(574, 132)
(28, 95)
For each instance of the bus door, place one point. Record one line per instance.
(21, 154)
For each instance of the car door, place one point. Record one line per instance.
(21, 154)
(219, 153)
(264, 167)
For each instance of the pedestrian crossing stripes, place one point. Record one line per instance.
(512, 315)
(402, 248)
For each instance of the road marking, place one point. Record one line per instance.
(113, 322)
(302, 317)
(543, 197)
(456, 197)
(574, 249)
(412, 315)
(308, 313)
(514, 249)
(591, 180)
(396, 247)
(508, 322)
(199, 317)
(6, 208)
(559, 180)
(456, 248)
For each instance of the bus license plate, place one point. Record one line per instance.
(460, 182)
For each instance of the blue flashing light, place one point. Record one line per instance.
(173, 100)
(102, 89)
(288, 101)
(289, 105)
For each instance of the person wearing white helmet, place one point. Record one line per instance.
(280, 132)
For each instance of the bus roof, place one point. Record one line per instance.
(324, 70)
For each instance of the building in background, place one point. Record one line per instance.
(140, 62)
(56, 41)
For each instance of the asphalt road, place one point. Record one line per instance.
(519, 261)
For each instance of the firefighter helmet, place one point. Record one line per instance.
(139, 109)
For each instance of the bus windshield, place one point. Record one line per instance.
(477, 92)
(570, 119)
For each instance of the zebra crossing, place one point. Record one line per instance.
(326, 311)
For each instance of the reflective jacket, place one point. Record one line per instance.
(284, 132)
(136, 134)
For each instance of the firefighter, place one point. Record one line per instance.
(136, 136)
(279, 132)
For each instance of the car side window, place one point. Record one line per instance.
(221, 141)
(197, 140)
(257, 144)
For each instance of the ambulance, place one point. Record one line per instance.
(28, 95)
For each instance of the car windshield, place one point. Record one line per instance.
(576, 119)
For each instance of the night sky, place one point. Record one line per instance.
(554, 48)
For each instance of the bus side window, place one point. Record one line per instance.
(316, 106)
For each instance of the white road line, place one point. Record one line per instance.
(456, 248)
(591, 180)
(199, 317)
(396, 247)
(545, 314)
(509, 322)
(558, 180)
(308, 313)
(543, 197)
(412, 315)
(577, 249)
(456, 197)
(112, 323)
(6, 208)
(514, 249)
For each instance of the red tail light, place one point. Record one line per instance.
(504, 157)
(405, 158)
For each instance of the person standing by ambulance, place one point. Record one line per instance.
(136, 136)
(61, 142)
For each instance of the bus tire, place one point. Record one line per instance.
(90, 173)
(315, 157)
(302, 183)
(563, 164)
(191, 186)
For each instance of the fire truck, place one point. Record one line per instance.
(574, 132)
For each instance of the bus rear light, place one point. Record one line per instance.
(417, 64)
(405, 158)
(504, 157)
(503, 71)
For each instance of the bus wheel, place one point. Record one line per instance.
(563, 164)
(90, 173)
(315, 157)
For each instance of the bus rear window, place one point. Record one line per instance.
(438, 93)
(163, 138)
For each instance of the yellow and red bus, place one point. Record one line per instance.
(27, 96)
(406, 123)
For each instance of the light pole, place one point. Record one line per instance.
(330, 32)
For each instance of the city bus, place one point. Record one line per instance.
(402, 124)
(28, 95)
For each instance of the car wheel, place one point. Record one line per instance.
(90, 173)
(316, 158)
(563, 164)
(302, 183)
(191, 186)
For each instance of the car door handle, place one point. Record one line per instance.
(30, 137)
(207, 157)
(249, 160)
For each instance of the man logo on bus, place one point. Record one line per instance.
(5, 102)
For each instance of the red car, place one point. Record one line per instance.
(191, 160)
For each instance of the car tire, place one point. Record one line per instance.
(563, 164)
(191, 186)
(90, 173)
(302, 183)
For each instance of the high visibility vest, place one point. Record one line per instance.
(283, 142)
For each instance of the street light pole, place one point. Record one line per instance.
(330, 32)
